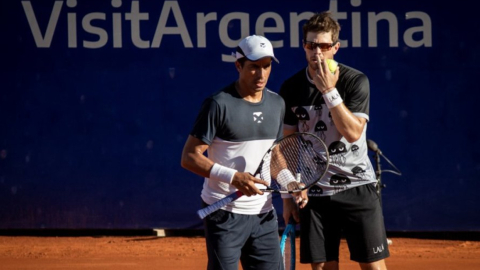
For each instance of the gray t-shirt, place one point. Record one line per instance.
(306, 110)
(239, 133)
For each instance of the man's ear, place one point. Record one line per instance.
(336, 47)
(238, 66)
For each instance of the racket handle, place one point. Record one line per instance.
(202, 213)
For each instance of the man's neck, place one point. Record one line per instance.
(253, 97)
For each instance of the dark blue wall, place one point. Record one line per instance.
(92, 137)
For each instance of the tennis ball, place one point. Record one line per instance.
(332, 65)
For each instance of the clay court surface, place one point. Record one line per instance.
(148, 252)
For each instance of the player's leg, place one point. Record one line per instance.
(262, 249)
(332, 265)
(364, 226)
(321, 232)
(378, 265)
(225, 235)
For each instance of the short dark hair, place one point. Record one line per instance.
(242, 61)
(322, 22)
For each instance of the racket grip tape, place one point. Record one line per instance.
(202, 213)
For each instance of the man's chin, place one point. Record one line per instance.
(259, 87)
(313, 65)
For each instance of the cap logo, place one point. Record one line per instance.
(262, 45)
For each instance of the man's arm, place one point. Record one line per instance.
(292, 203)
(194, 160)
(350, 126)
(287, 132)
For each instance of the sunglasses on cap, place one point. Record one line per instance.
(323, 46)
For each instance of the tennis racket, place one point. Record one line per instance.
(292, 164)
(287, 246)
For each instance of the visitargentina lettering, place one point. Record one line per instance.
(418, 35)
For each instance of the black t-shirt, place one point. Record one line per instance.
(306, 111)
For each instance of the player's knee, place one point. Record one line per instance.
(332, 265)
(378, 265)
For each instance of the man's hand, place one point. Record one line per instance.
(245, 183)
(300, 197)
(291, 205)
(324, 79)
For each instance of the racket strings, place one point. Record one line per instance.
(296, 162)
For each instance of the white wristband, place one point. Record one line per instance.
(332, 98)
(222, 173)
(285, 176)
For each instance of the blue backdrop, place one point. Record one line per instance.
(98, 98)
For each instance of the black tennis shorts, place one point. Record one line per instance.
(356, 214)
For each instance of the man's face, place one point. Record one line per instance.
(319, 43)
(254, 75)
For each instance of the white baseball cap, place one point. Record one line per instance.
(254, 48)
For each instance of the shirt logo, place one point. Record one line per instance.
(258, 117)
